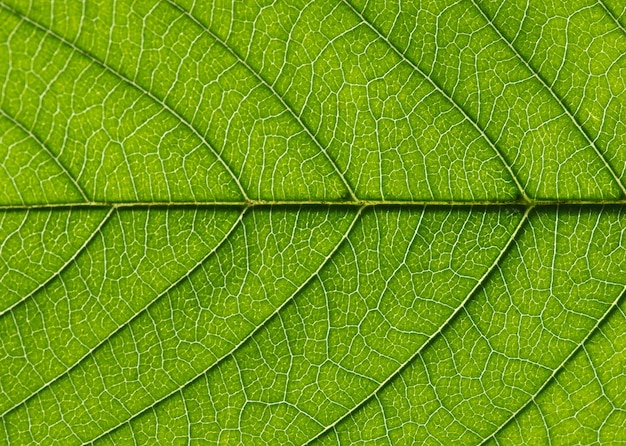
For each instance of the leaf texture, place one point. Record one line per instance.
(312, 222)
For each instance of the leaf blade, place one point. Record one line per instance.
(312, 221)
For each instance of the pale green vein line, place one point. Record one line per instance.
(137, 314)
(445, 324)
(188, 420)
(64, 266)
(49, 152)
(612, 15)
(267, 85)
(247, 337)
(544, 425)
(384, 417)
(443, 93)
(87, 55)
(556, 97)
(560, 367)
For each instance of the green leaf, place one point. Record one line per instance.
(289, 222)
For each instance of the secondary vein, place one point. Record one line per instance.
(556, 371)
(445, 324)
(247, 337)
(535, 73)
(133, 84)
(135, 316)
(267, 85)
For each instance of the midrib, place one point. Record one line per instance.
(286, 203)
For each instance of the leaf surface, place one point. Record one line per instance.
(312, 222)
